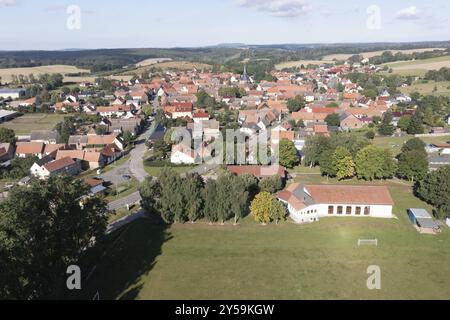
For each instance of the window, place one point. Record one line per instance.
(367, 211)
(358, 211)
(330, 209)
(339, 210)
(348, 210)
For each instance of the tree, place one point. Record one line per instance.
(343, 163)
(296, 104)
(19, 168)
(172, 201)
(261, 207)
(386, 128)
(66, 128)
(288, 154)
(209, 197)
(313, 149)
(147, 110)
(333, 120)
(414, 144)
(7, 136)
(128, 138)
(277, 211)
(271, 184)
(45, 227)
(373, 162)
(192, 191)
(412, 165)
(370, 93)
(415, 125)
(150, 191)
(251, 184)
(101, 129)
(231, 197)
(435, 189)
(404, 122)
(326, 164)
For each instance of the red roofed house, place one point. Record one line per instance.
(29, 149)
(309, 203)
(61, 166)
(179, 110)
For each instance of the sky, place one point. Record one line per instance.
(88, 24)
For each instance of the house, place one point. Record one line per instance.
(95, 185)
(117, 111)
(88, 159)
(61, 166)
(6, 115)
(182, 154)
(350, 121)
(309, 203)
(437, 162)
(119, 126)
(45, 136)
(200, 116)
(423, 221)
(6, 152)
(260, 172)
(29, 149)
(6, 93)
(179, 110)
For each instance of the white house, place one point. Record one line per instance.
(309, 203)
(182, 154)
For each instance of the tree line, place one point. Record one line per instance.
(189, 199)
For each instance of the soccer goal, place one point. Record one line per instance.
(368, 242)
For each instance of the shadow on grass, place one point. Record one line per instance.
(121, 259)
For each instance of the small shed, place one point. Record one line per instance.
(422, 220)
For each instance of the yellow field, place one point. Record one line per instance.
(23, 125)
(442, 88)
(7, 73)
(149, 62)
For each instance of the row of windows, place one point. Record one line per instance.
(309, 211)
(348, 210)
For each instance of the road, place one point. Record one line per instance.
(122, 202)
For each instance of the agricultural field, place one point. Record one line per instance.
(169, 65)
(152, 61)
(7, 73)
(149, 260)
(23, 125)
(442, 88)
(372, 54)
(419, 67)
(344, 56)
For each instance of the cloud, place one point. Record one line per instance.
(410, 13)
(277, 8)
(7, 2)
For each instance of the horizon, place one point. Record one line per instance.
(56, 26)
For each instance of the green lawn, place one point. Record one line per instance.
(395, 143)
(122, 190)
(23, 125)
(123, 212)
(155, 171)
(146, 260)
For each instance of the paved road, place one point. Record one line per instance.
(124, 221)
(134, 166)
(122, 202)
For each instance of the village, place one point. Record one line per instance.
(302, 146)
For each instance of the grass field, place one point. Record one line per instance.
(344, 56)
(419, 67)
(372, 54)
(395, 143)
(147, 260)
(7, 73)
(443, 88)
(33, 121)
